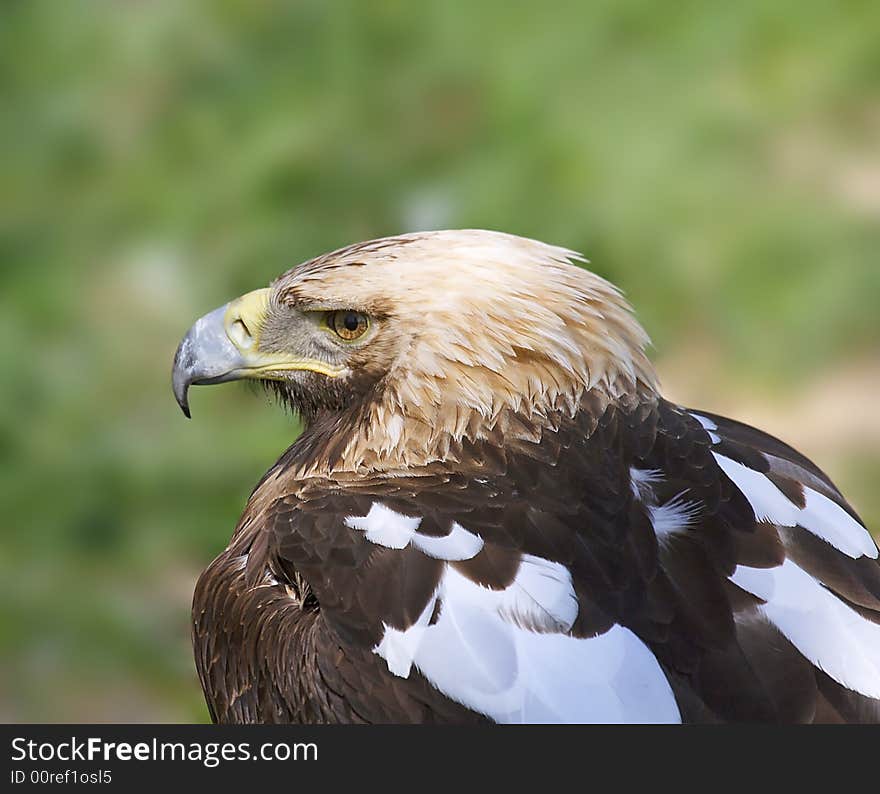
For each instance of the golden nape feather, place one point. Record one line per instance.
(493, 515)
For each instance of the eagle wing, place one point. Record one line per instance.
(650, 565)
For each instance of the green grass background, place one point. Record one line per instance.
(719, 161)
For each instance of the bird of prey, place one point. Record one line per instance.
(492, 514)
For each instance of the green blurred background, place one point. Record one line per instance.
(718, 161)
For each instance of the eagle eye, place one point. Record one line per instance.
(347, 325)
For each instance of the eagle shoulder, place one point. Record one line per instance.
(650, 564)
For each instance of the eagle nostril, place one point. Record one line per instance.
(240, 334)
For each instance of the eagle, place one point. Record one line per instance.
(492, 514)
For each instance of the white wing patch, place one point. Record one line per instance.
(641, 481)
(540, 598)
(709, 426)
(483, 651)
(459, 544)
(398, 648)
(826, 631)
(828, 520)
(385, 527)
(674, 516)
(820, 515)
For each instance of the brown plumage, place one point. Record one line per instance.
(493, 515)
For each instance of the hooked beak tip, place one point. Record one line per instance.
(181, 376)
(181, 389)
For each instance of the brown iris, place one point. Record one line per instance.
(347, 325)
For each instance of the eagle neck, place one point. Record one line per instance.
(373, 440)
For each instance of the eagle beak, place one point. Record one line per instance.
(222, 346)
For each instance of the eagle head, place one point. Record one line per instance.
(402, 347)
